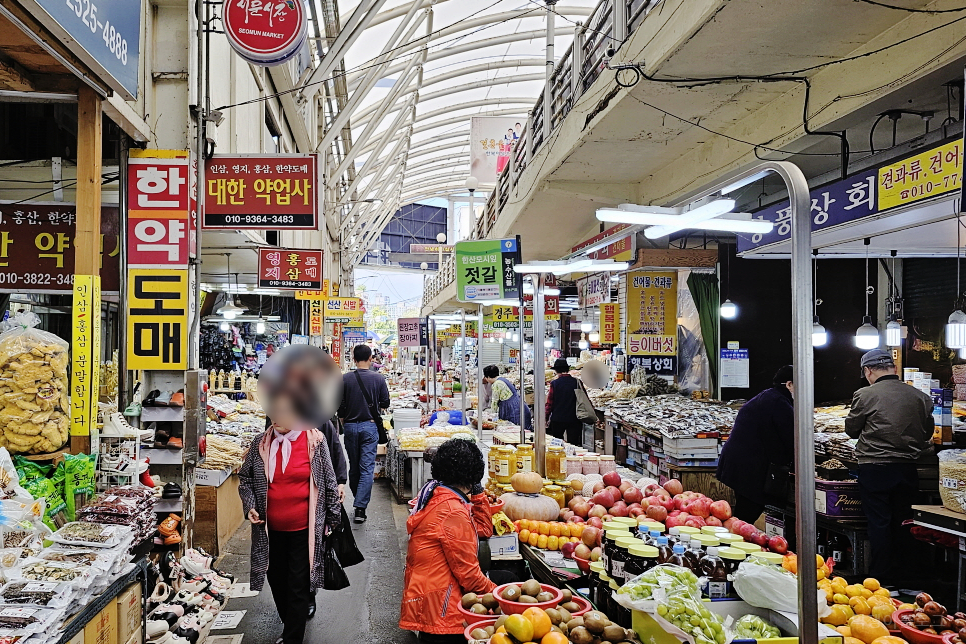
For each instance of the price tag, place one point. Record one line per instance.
(63, 565)
(18, 612)
(39, 587)
(950, 483)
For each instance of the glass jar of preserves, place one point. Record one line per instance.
(604, 600)
(630, 522)
(556, 463)
(618, 557)
(728, 539)
(770, 558)
(607, 464)
(575, 465)
(621, 615)
(506, 464)
(593, 580)
(731, 557)
(640, 558)
(568, 491)
(747, 548)
(590, 464)
(491, 462)
(612, 533)
(556, 493)
(525, 458)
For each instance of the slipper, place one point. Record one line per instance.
(174, 443)
(134, 409)
(151, 399)
(177, 399)
(164, 398)
(171, 491)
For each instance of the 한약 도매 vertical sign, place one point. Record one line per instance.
(158, 205)
(261, 192)
(157, 327)
(484, 270)
(289, 268)
(408, 330)
(652, 321)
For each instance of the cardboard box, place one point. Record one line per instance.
(136, 637)
(103, 628)
(211, 477)
(77, 639)
(129, 613)
(838, 498)
(218, 514)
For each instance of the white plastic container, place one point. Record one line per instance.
(404, 418)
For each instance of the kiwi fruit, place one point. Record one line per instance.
(496, 611)
(489, 631)
(532, 587)
(571, 607)
(479, 609)
(565, 615)
(575, 622)
(469, 599)
(489, 601)
(500, 621)
(511, 593)
(567, 596)
(479, 634)
(544, 597)
(554, 615)
(613, 633)
(581, 635)
(527, 599)
(595, 622)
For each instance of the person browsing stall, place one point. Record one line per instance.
(561, 406)
(505, 399)
(893, 424)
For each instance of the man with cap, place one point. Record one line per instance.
(762, 439)
(893, 424)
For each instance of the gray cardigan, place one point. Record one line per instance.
(892, 420)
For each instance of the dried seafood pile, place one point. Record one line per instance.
(125, 505)
(674, 416)
(831, 420)
(225, 452)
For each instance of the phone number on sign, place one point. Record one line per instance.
(36, 279)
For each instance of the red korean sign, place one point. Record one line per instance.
(264, 31)
(289, 268)
(37, 248)
(261, 192)
(620, 250)
(551, 307)
(316, 317)
(158, 209)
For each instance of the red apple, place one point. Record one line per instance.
(612, 478)
(634, 505)
(667, 502)
(589, 536)
(633, 495)
(635, 512)
(596, 522)
(729, 523)
(650, 489)
(615, 493)
(713, 520)
(598, 511)
(778, 544)
(700, 507)
(568, 548)
(721, 509)
(598, 486)
(760, 538)
(595, 554)
(673, 486)
(565, 514)
(574, 501)
(603, 499)
(662, 492)
(695, 522)
(582, 508)
(624, 486)
(582, 551)
(619, 509)
(658, 513)
(576, 519)
(747, 531)
(680, 501)
(673, 522)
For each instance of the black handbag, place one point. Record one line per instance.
(776, 482)
(344, 544)
(373, 411)
(334, 577)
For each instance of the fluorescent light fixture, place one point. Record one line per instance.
(583, 344)
(665, 221)
(962, 353)
(504, 302)
(586, 327)
(867, 336)
(594, 337)
(224, 326)
(819, 334)
(956, 330)
(501, 340)
(576, 266)
(741, 183)
(516, 337)
(729, 310)
(893, 334)
(548, 344)
(528, 288)
(260, 326)
(700, 214)
(597, 312)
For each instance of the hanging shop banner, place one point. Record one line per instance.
(506, 317)
(343, 309)
(316, 317)
(593, 290)
(484, 270)
(85, 354)
(408, 331)
(261, 192)
(492, 141)
(337, 344)
(157, 327)
(158, 209)
(652, 318)
(619, 250)
(610, 323)
(289, 268)
(489, 330)
(265, 32)
(37, 248)
(456, 330)
(105, 34)
(314, 295)
(551, 308)
(868, 193)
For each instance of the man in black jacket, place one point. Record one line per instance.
(763, 435)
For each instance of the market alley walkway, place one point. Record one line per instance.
(367, 611)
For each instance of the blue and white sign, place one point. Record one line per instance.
(735, 368)
(836, 203)
(104, 34)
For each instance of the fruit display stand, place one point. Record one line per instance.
(551, 567)
(939, 518)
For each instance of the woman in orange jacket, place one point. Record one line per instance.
(442, 563)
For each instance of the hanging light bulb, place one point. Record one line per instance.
(962, 353)
(956, 330)
(594, 337)
(729, 310)
(229, 314)
(548, 343)
(586, 327)
(867, 336)
(819, 334)
(893, 333)
(260, 326)
(583, 345)
(224, 326)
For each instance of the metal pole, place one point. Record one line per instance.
(472, 214)
(463, 365)
(479, 375)
(194, 358)
(523, 397)
(539, 377)
(124, 379)
(432, 343)
(547, 89)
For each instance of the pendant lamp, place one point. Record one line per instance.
(729, 310)
(867, 336)
(819, 334)
(956, 326)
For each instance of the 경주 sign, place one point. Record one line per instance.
(289, 268)
(484, 270)
(262, 192)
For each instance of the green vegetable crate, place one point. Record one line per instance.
(649, 631)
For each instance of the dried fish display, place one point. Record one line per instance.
(123, 506)
(673, 415)
(35, 593)
(53, 571)
(92, 534)
(831, 420)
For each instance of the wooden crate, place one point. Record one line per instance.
(703, 480)
(218, 514)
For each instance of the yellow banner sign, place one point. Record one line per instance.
(652, 313)
(925, 175)
(314, 295)
(85, 354)
(157, 327)
(315, 317)
(343, 306)
(610, 323)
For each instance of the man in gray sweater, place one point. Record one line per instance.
(893, 424)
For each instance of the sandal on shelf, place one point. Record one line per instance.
(169, 525)
(177, 399)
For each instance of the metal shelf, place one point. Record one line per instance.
(99, 603)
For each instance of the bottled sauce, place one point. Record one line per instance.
(705, 541)
(664, 551)
(652, 537)
(505, 464)
(678, 558)
(713, 567)
(525, 458)
(713, 530)
(622, 615)
(604, 601)
(556, 463)
(611, 534)
(693, 553)
(673, 535)
(732, 557)
(640, 559)
(688, 530)
(556, 493)
(596, 570)
(618, 557)
(568, 491)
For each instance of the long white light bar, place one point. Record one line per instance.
(579, 266)
(663, 224)
(687, 218)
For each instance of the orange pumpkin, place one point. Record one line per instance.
(541, 622)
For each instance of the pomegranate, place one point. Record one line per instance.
(612, 479)
(673, 486)
(760, 539)
(721, 510)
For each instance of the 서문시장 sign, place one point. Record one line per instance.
(484, 270)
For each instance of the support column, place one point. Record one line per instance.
(87, 251)
(539, 374)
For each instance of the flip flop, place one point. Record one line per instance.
(177, 399)
(151, 399)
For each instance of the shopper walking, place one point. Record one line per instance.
(505, 399)
(363, 392)
(761, 444)
(893, 424)
(442, 562)
(289, 493)
(561, 407)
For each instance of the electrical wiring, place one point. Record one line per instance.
(106, 179)
(910, 10)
